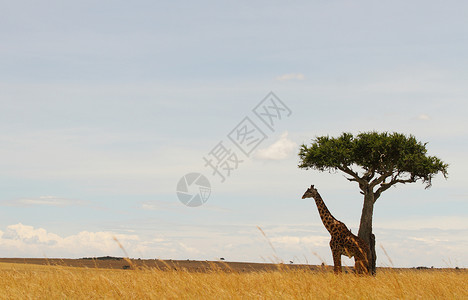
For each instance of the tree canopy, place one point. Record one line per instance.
(385, 159)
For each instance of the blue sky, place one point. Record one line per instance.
(105, 106)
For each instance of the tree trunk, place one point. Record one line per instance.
(365, 228)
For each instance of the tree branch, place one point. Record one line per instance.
(363, 184)
(380, 179)
(350, 172)
(350, 179)
(385, 186)
(369, 174)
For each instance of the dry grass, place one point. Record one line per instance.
(21, 281)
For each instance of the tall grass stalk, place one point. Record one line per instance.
(21, 281)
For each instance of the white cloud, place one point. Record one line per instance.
(160, 205)
(426, 223)
(24, 240)
(285, 241)
(29, 235)
(306, 242)
(423, 247)
(44, 200)
(21, 240)
(281, 149)
(423, 117)
(291, 76)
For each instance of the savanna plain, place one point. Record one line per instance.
(31, 281)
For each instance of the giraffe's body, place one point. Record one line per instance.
(342, 242)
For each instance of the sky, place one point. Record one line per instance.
(106, 106)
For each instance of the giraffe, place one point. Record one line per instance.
(342, 242)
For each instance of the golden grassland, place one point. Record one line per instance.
(23, 281)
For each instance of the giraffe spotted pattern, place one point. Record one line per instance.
(342, 242)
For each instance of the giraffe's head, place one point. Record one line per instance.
(310, 193)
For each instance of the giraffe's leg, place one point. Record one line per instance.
(336, 261)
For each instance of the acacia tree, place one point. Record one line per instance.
(376, 161)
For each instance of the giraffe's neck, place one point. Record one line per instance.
(327, 219)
